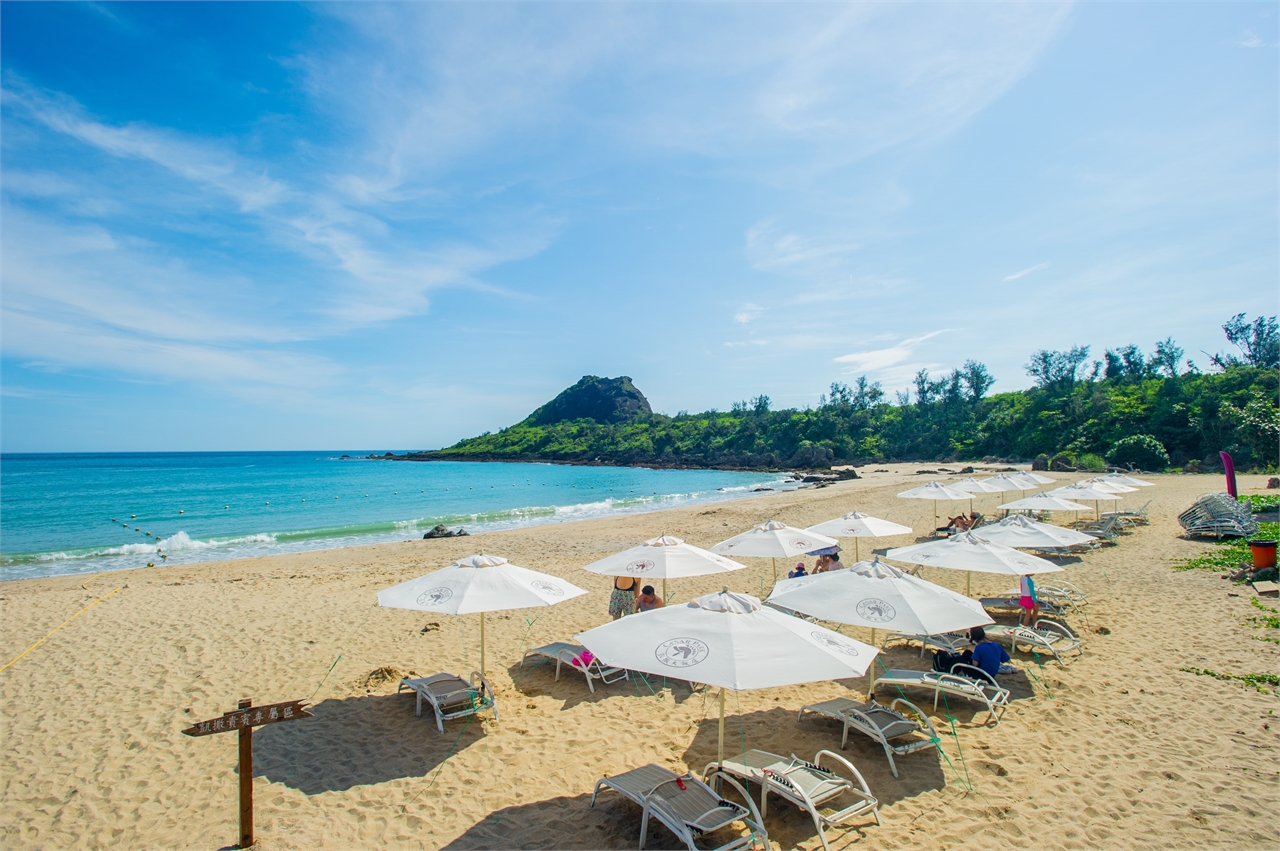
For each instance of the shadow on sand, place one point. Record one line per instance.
(539, 678)
(359, 741)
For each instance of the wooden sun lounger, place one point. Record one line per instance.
(686, 805)
(879, 723)
(808, 785)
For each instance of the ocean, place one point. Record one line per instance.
(80, 513)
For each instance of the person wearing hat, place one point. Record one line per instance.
(799, 571)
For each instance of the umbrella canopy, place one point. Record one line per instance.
(663, 558)
(1024, 533)
(479, 583)
(935, 491)
(857, 524)
(773, 540)
(1083, 491)
(1005, 482)
(1101, 484)
(969, 551)
(1044, 502)
(728, 640)
(880, 596)
(1033, 476)
(1129, 481)
(972, 486)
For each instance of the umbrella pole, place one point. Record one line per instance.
(664, 590)
(775, 570)
(968, 584)
(482, 644)
(856, 556)
(720, 758)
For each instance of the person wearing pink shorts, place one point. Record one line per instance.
(1030, 606)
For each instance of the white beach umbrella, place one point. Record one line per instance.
(1044, 502)
(1022, 532)
(970, 552)
(880, 596)
(1102, 484)
(773, 540)
(731, 641)
(972, 485)
(1033, 476)
(1006, 482)
(1122, 479)
(663, 558)
(935, 491)
(479, 584)
(857, 524)
(1085, 491)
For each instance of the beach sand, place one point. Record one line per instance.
(1119, 749)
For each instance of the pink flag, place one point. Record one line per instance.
(1229, 468)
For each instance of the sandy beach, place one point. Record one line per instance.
(1118, 749)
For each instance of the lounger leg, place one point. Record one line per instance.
(439, 722)
(644, 826)
(764, 802)
(844, 739)
(822, 834)
(417, 712)
(888, 751)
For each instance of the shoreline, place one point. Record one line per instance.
(94, 756)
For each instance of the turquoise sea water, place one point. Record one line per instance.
(77, 513)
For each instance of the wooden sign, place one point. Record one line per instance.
(243, 720)
(250, 716)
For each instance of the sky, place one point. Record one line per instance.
(260, 226)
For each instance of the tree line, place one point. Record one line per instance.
(1127, 408)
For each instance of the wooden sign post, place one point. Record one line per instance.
(244, 719)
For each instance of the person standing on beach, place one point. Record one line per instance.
(623, 599)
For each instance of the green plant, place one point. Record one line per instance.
(1260, 502)
(1089, 461)
(1229, 554)
(1140, 450)
(1255, 680)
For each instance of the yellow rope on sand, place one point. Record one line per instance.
(60, 626)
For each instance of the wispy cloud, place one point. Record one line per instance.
(1249, 38)
(1016, 275)
(878, 360)
(748, 313)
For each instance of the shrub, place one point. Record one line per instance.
(1139, 450)
(1089, 461)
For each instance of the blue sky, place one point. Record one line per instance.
(268, 226)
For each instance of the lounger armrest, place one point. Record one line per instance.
(1056, 626)
(857, 775)
(921, 717)
(755, 813)
(972, 673)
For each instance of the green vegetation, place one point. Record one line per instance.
(1229, 554)
(1129, 409)
(1259, 502)
(1255, 680)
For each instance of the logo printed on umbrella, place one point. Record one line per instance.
(877, 610)
(681, 652)
(641, 566)
(549, 588)
(434, 596)
(801, 543)
(832, 643)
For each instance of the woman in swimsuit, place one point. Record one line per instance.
(623, 599)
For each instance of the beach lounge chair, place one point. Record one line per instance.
(950, 642)
(1010, 602)
(686, 805)
(880, 723)
(450, 696)
(571, 654)
(1046, 636)
(808, 785)
(1105, 528)
(964, 681)
(1062, 594)
(1133, 517)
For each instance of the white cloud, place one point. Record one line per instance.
(748, 313)
(880, 360)
(769, 248)
(1016, 275)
